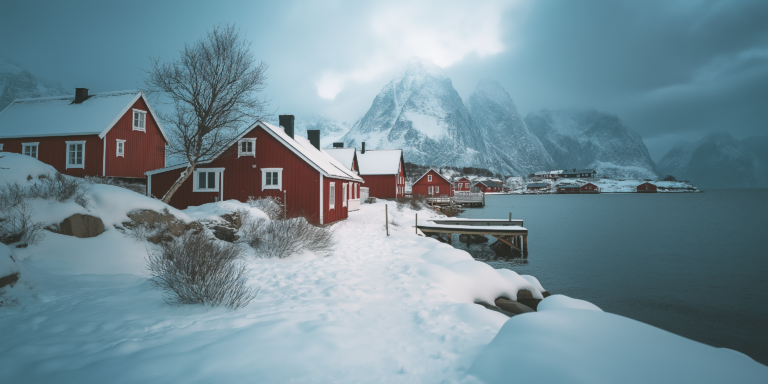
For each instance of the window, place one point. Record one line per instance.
(437, 189)
(332, 196)
(246, 147)
(139, 120)
(430, 191)
(429, 177)
(29, 149)
(120, 148)
(75, 154)
(1, 146)
(344, 195)
(207, 179)
(271, 178)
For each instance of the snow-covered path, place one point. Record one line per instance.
(371, 312)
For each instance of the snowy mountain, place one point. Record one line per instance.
(420, 112)
(510, 144)
(592, 139)
(717, 161)
(18, 83)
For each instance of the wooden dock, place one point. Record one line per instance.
(509, 232)
(462, 198)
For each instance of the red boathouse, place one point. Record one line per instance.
(434, 184)
(647, 188)
(113, 134)
(266, 160)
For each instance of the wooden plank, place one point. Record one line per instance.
(507, 242)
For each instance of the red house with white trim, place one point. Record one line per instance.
(383, 171)
(113, 134)
(463, 185)
(489, 186)
(266, 160)
(348, 158)
(434, 184)
(647, 188)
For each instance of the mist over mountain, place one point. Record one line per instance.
(719, 161)
(592, 139)
(18, 83)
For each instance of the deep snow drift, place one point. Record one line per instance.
(378, 309)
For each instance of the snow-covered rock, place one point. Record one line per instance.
(592, 139)
(511, 146)
(718, 161)
(18, 83)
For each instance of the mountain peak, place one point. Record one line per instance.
(421, 67)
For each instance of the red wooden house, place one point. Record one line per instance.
(647, 188)
(348, 158)
(578, 189)
(266, 160)
(383, 171)
(463, 185)
(432, 183)
(589, 188)
(112, 134)
(489, 186)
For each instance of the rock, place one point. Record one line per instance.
(524, 294)
(496, 309)
(525, 297)
(512, 306)
(546, 294)
(9, 280)
(80, 226)
(234, 219)
(225, 233)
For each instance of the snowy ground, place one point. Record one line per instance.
(379, 309)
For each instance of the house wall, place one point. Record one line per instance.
(242, 179)
(647, 187)
(52, 150)
(422, 186)
(144, 151)
(339, 212)
(381, 186)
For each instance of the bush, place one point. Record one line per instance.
(282, 238)
(416, 202)
(136, 187)
(16, 226)
(269, 205)
(195, 269)
(60, 188)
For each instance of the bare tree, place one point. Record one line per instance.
(213, 86)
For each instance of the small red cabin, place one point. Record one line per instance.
(432, 183)
(647, 188)
(589, 188)
(113, 134)
(266, 160)
(489, 186)
(383, 171)
(463, 185)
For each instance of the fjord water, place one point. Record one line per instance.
(695, 264)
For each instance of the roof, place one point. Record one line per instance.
(345, 156)
(569, 186)
(541, 173)
(536, 185)
(58, 116)
(380, 161)
(489, 183)
(432, 170)
(567, 172)
(321, 161)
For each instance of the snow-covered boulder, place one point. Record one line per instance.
(80, 226)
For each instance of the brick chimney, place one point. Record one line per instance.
(286, 121)
(314, 137)
(80, 95)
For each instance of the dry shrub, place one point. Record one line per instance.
(16, 226)
(195, 269)
(136, 187)
(272, 206)
(60, 188)
(282, 238)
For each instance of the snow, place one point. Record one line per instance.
(564, 302)
(379, 161)
(16, 168)
(345, 156)
(591, 346)
(7, 265)
(57, 116)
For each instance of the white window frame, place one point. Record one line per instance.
(217, 179)
(30, 145)
(240, 152)
(68, 165)
(1, 147)
(429, 178)
(143, 118)
(437, 189)
(331, 195)
(430, 191)
(279, 185)
(118, 153)
(344, 194)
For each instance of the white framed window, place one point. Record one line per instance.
(430, 191)
(206, 179)
(120, 149)
(429, 178)
(75, 154)
(437, 189)
(1, 147)
(344, 195)
(139, 120)
(246, 147)
(332, 196)
(30, 149)
(271, 178)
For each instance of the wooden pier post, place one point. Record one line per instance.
(510, 216)
(525, 245)
(416, 227)
(450, 238)
(386, 218)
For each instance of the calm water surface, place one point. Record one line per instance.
(692, 264)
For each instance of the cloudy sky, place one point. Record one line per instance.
(673, 70)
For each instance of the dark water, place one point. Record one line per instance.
(692, 264)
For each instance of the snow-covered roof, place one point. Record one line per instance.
(489, 183)
(302, 147)
(432, 170)
(567, 172)
(536, 185)
(380, 161)
(542, 173)
(345, 156)
(58, 116)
